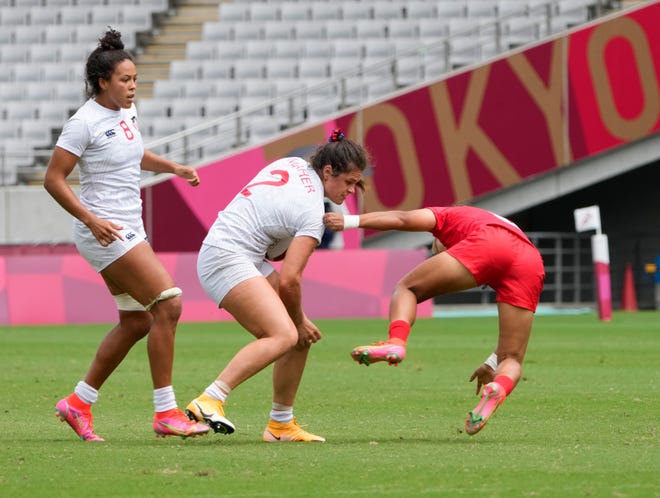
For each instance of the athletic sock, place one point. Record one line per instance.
(218, 390)
(506, 382)
(164, 399)
(399, 331)
(281, 413)
(86, 393)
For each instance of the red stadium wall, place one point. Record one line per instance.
(62, 288)
(475, 132)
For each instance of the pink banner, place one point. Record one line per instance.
(60, 289)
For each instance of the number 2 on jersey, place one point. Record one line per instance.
(283, 179)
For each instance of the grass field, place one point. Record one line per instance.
(584, 422)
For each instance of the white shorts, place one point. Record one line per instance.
(98, 256)
(219, 270)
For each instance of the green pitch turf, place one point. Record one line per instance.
(583, 422)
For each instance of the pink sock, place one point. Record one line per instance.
(399, 331)
(505, 382)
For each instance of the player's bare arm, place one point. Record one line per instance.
(157, 164)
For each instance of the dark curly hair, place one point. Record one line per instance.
(102, 62)
(343, 154)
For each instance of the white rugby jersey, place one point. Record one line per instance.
(110, 149)
(284, 200)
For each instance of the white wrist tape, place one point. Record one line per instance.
(351, 221)
(491, 361)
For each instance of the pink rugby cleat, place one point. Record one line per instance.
(393, 354)
(80, 420)
(492, 396)
(175, 423)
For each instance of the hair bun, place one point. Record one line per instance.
(336, 135)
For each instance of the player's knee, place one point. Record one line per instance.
(167, 304)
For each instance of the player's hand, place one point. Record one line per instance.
(189, 174)
(308, 334)
(106, 232)
(334, 221)
(484, 374)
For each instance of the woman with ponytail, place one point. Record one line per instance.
(103, 139)
(277, 216)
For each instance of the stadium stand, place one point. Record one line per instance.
(199, 59)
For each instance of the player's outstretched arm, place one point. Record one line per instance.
(417, 220)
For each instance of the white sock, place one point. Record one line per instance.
(218, 390)
(164, 399)
(281, 413)
(86, 392)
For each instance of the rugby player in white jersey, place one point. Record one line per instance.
(277, 216)
(103, 138)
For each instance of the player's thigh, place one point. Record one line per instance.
(440, 274)
(139, 273)
(258, 308)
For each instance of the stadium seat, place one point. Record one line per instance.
(249, 68)
(217, 69)
(105, 15)
(371, 28)
(58, 34)
(152, 108)
(184, 107)
(54, 110)
(168, 88)
(75, 15)
(260, 87)
(12, 53)
(266, 11)
(337, 30)
(217, 30)
(44, 52)
(42, 16)
(28, 34)
(199, 88)
(282, 68)
(312, 67)
(323, 48)
(56, 71)
(450, 9)
(383, 9)
(287, 49)
(402, 28)
(38, 131)
(14, 16)
(379, 48)
(259, 49)
(279, 30)
(25, 71)
(305, 30)
(234, 11)
(294, 11)
(248, 31)
(352, 11)
(481, 8)
(420, 9)
(214, 107)
(408, 70)
(186, 69)
(322, 11)
(228, 88)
